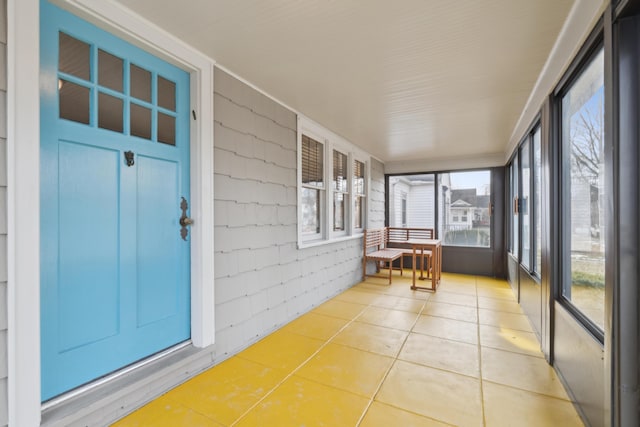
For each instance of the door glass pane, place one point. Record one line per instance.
(412, 201)
(525, 205)
(140, 121)
(74, 57)
(166, 129)
(74, 101)
(140, 83)
(110, 70)
(583, 167)
(466, 202)
(166, 94)
(537, 200)
(110, 111)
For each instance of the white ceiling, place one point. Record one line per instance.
(403, 79)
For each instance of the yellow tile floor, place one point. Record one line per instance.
(383, 356)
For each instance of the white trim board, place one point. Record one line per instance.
(23, 147)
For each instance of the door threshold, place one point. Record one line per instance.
(106, 387)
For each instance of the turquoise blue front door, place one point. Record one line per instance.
(114, 164)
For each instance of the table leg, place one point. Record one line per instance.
(413, 265)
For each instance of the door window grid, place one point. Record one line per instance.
(92, 93)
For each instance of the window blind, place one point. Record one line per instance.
(358, 177)
(339, 171)
(312, 162)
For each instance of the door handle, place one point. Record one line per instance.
(184, 221)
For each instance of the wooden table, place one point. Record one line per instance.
(435, 246)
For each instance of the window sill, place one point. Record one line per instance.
(315, 243)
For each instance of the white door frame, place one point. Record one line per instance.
(23, 183)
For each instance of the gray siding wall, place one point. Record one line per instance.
(3, 213)
(262, 279)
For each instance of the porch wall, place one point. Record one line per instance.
(3, 213)
(262, 279)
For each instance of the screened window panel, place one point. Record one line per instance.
(525, 216)
(312, 162)
(584, 192)
(537, 173)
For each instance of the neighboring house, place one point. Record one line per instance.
(412, 201)
(468, 210)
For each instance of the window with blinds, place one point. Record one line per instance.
(332, 186)
(312, 162)
(358, 195)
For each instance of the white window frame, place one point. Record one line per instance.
(347, 195)
(330, 143)
(365, 163)
(23, 170)
(313, 237)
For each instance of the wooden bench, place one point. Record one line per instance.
(375, 249)
(398, 236)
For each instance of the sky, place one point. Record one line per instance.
(478, 179)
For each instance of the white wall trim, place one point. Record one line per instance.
(445, 163)
(23, 204)
(23, 146)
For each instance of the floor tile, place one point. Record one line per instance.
(501, 293)
(510, 340)
(501, 319)
(357, 296)
(458, 278)
(520, 371)
(376, 339)
(491, 282)
(444, 396)
(451, 311)
(458, 288)
(388, 318)
(506, 406)
(347, 368)
(314, 325)
(497, 304)
(440, 353)
(447, 328)
(300, 402)
(282, 350)
(399, 303)
(381, 415)
(226, 391)
(163, 412)
(452, 298)
(341, 309)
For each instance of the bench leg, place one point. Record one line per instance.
(390, 270)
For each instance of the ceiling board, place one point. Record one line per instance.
(407, 79)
